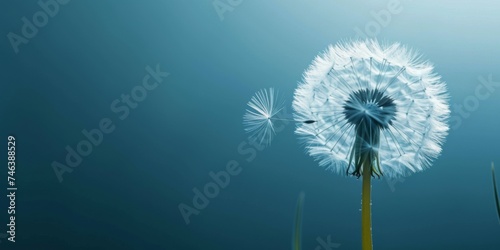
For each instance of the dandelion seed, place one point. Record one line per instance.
(264, 106)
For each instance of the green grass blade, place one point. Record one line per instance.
(296, 239)
(495, 190)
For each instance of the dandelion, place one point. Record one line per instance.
(378, 110)
(366, 110)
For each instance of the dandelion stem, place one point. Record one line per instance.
(366, 214)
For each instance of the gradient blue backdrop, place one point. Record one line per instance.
(125, 194)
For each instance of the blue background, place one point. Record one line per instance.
(125, 194)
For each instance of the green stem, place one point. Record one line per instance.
(366, 221)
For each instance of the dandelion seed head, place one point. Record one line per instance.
(380, 101)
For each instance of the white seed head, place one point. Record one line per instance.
(384, 86)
